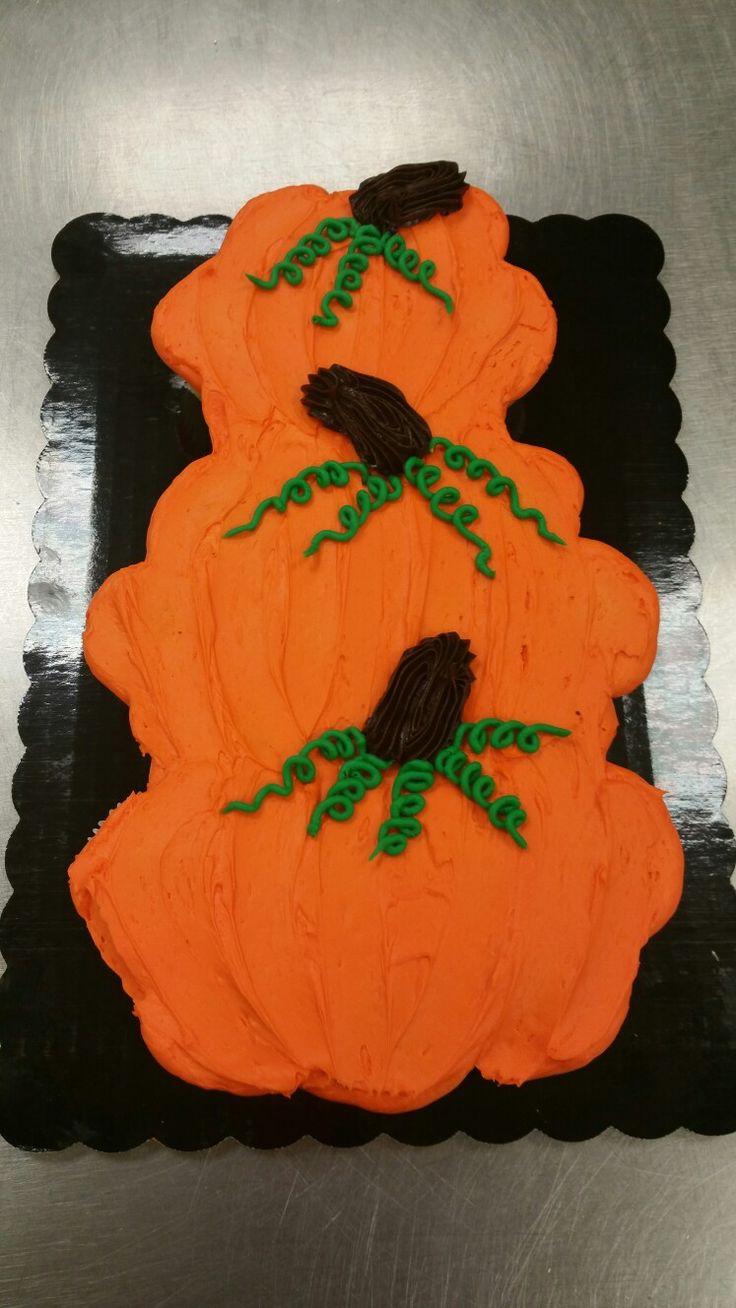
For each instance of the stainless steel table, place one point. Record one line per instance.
(187, 107)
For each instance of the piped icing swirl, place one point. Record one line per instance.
(409, 194)
(421, 708)
(373, 413)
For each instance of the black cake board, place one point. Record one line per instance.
(120, 427)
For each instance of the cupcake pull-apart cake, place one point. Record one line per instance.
(373, 664)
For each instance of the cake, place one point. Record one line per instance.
(373, 662)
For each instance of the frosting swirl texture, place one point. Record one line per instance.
(421, 708)
(409, 194)
(373, 413)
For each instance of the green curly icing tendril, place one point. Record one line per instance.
(408, 263)
(504, 813)
(297, 490)
(361, 772)
(407, 802)
(305, 253)
(366, 242)
(354, 779)
(497, 733)
(301, 767)
(460, 458)
(425, 477)
(378, 491)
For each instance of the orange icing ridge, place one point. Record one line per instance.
(260, 959)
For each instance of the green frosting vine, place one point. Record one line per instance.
(366, 241)
(354, 779)
(378, 491)
(361, 771)
(496, 733)
(301, 767)
(408, 263)
(504, 813)
(407, 802)
(307, 250)
(460, 458)
(297, 490)
(425, 477)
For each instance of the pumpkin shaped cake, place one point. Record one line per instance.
(373, 663)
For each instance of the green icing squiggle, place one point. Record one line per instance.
(366, 241)
(378, 491)
(361, 772)
(307, 250)
(407, 802)
(301, 767)
(354, 779)
(408, 263)
(460, 458)
(504, 813)
(298, 491)
(425, 477)
(497, 733)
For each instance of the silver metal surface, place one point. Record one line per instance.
(185, 107)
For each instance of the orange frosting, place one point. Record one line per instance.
(260, 959)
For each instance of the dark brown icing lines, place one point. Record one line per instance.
(409, 194)
(375, 415)
(422, 706)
